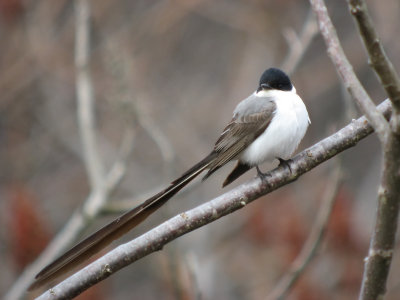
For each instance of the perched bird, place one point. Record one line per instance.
(267, 125)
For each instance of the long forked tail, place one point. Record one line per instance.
(112, 231)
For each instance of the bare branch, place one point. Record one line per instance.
(377, 56)
(163, 144)
(377, 264)
(298, 44)
(76, 224)
(63, 239)
(93, 205)
(314, 240)
(227, 203)
(84, 92)
(102, 185)
(346, 72)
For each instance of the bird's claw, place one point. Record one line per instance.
(285, 163)
(261, 174)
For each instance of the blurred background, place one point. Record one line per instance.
(169, 74)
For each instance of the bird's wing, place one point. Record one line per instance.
(249, 121)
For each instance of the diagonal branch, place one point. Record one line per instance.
(377, 57)
(298, 44)
(343, 66)
(76, 224)
(378, 262)
(208, 212)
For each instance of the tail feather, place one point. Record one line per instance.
(236, 173)
(112, 231)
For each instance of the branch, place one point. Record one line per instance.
(75, 225)
(377, 264)
(377, 57)
(162, 142)
(84, 92)
(345, 70)
(381, 250)
(208, 212)
(101, 186)
(298, 44)
(314, 240)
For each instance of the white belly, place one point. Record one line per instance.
(283, 134)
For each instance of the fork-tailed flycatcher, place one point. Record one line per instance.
(267, 125)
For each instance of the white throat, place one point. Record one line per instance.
(269, 93)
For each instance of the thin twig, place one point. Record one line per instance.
(119, 64)
(378, 59)
(93, 206)
(154, 132)
(314, 240)
(227, 203)
(75, 225)
(84, 92)
(163, 144)
(345, 70)
(298, 44)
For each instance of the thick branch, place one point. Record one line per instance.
(377, 264)
(377, 56)
(346, 72)
(225, 204)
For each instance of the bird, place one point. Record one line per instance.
(267, 125)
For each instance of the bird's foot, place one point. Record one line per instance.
(285, 163)
(261, 174)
